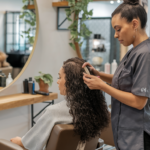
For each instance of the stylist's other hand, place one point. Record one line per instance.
(95, 72)
(17, 140)
(93, 82)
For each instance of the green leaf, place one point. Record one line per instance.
(31, 39)
(26, 32)
(91, 12)
(24, 7)
(37, 78)
(69, 19)
(80, 44)
(72, 45)
(76, 8)
(77, 40)
(24, 1)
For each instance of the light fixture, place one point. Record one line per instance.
(111, 2)
(118, 1)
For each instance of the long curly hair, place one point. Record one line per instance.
(88, 107)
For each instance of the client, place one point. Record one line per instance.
(86, 109)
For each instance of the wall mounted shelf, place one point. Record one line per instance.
(60, 4)
(65, 3)
(18, 100)
(30, 7)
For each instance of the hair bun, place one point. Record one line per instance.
(131, 2)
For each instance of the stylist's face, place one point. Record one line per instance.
(61, 81)
(124, 30)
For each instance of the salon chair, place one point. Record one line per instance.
(63, 137)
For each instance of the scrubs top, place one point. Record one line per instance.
(133, 76)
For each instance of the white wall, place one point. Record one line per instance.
(51, 50)
(11, 5)
(102, 9)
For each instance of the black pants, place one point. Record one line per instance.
(146, 141)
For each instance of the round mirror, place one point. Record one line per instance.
(18, 28)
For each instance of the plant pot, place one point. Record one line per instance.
(43, 86)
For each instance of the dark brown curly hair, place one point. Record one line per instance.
(88, 107)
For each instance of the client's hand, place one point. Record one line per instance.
(95, 72)
(17, 140)
(93, 82)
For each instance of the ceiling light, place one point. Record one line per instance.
(118, 1)
(111, 2)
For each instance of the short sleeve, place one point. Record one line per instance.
(141, 76)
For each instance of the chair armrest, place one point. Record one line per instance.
(7, 145)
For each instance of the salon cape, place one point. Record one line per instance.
(133, 76)
(37, 137)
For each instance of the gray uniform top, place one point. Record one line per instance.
(132, 75)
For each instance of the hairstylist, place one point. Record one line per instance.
(130, 85)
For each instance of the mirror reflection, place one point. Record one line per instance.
(18, 26)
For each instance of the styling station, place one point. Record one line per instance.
(46, 100)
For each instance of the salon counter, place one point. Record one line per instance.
(17, 100)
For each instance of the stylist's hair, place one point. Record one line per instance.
(88, 107)
(131, 9)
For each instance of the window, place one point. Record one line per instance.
(14, 26)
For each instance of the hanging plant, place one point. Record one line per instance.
(30, 18)
(76, 7)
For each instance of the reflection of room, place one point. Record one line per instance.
(15, 42)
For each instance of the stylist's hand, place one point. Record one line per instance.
(95, 72)
(93, 82)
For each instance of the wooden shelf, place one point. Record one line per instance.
(30, 7)
(65, 3)
(60, 4)
(17, 100)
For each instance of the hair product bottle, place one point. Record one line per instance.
(9, 79)
(107, 68)
(30, 84)
(2, 80)
(33, 87)
(113, 66)
(25, 86)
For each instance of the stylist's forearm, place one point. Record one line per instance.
(106, 77)
(127, 98)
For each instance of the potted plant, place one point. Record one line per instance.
(44, 80)
(76, 7)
